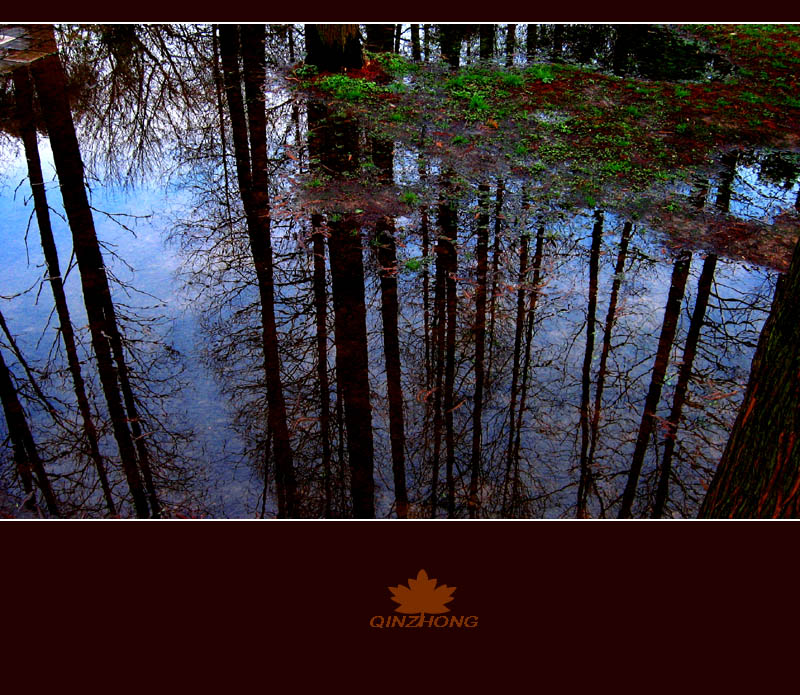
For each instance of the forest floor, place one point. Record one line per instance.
(587, 139)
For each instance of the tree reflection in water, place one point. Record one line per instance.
(394, 331)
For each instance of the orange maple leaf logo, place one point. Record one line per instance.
(422, 595)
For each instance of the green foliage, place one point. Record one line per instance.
(616, 167)
(478, 103)
(511, 79)
(543, 73)
(396, 65)
(413, 264)
(750, 97)
(409, 198)
(306, 71)
(633, 111)
(681, 92)
(348, 88)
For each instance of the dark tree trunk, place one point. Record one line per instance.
(558, 43)
(347, 275)
(341, 439)
(251, 166)
(426, 319)
(439, 323)
(133, 415)
(23, 91)
(511, 44)
(726, 179)
(387, 259)
(50, 83)
(619, 269)
(398, 35)
(416, 53)
(380, 38)
(519, 327)
(671, 314)
(759, 473)
(530, 42)
(29, 464)
(534, 295)
(220, 110)
(482, 253)
(321, 315)
(496, 251)
(447, 241)
(486, 34)
(334, 47)
(450, 42)
(426, 314)
(586, 375)
(622, 49)
(336, 145)
(685, 373)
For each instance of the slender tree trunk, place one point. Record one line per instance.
(447, 222)
(511, 44)
(341, 438)
(726, 179)
(619, 269)
(534, 296)
(486, 34)
(416, 53)
(222, 138)
(519, 328)
(29, 464)
(558, 43)
(685, 373)
(253, 184)
(530, 42)
(133, 415)
(321, 312)
(267, 455)
(759, 473)
(50, 82)
(387, 259)
(439, 323)
(23, 91)
(586, 378)
(482, 253)
(496, 251)
(671, 314)
(426, 317)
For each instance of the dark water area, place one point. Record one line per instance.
(506, 354)
(649, 52)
